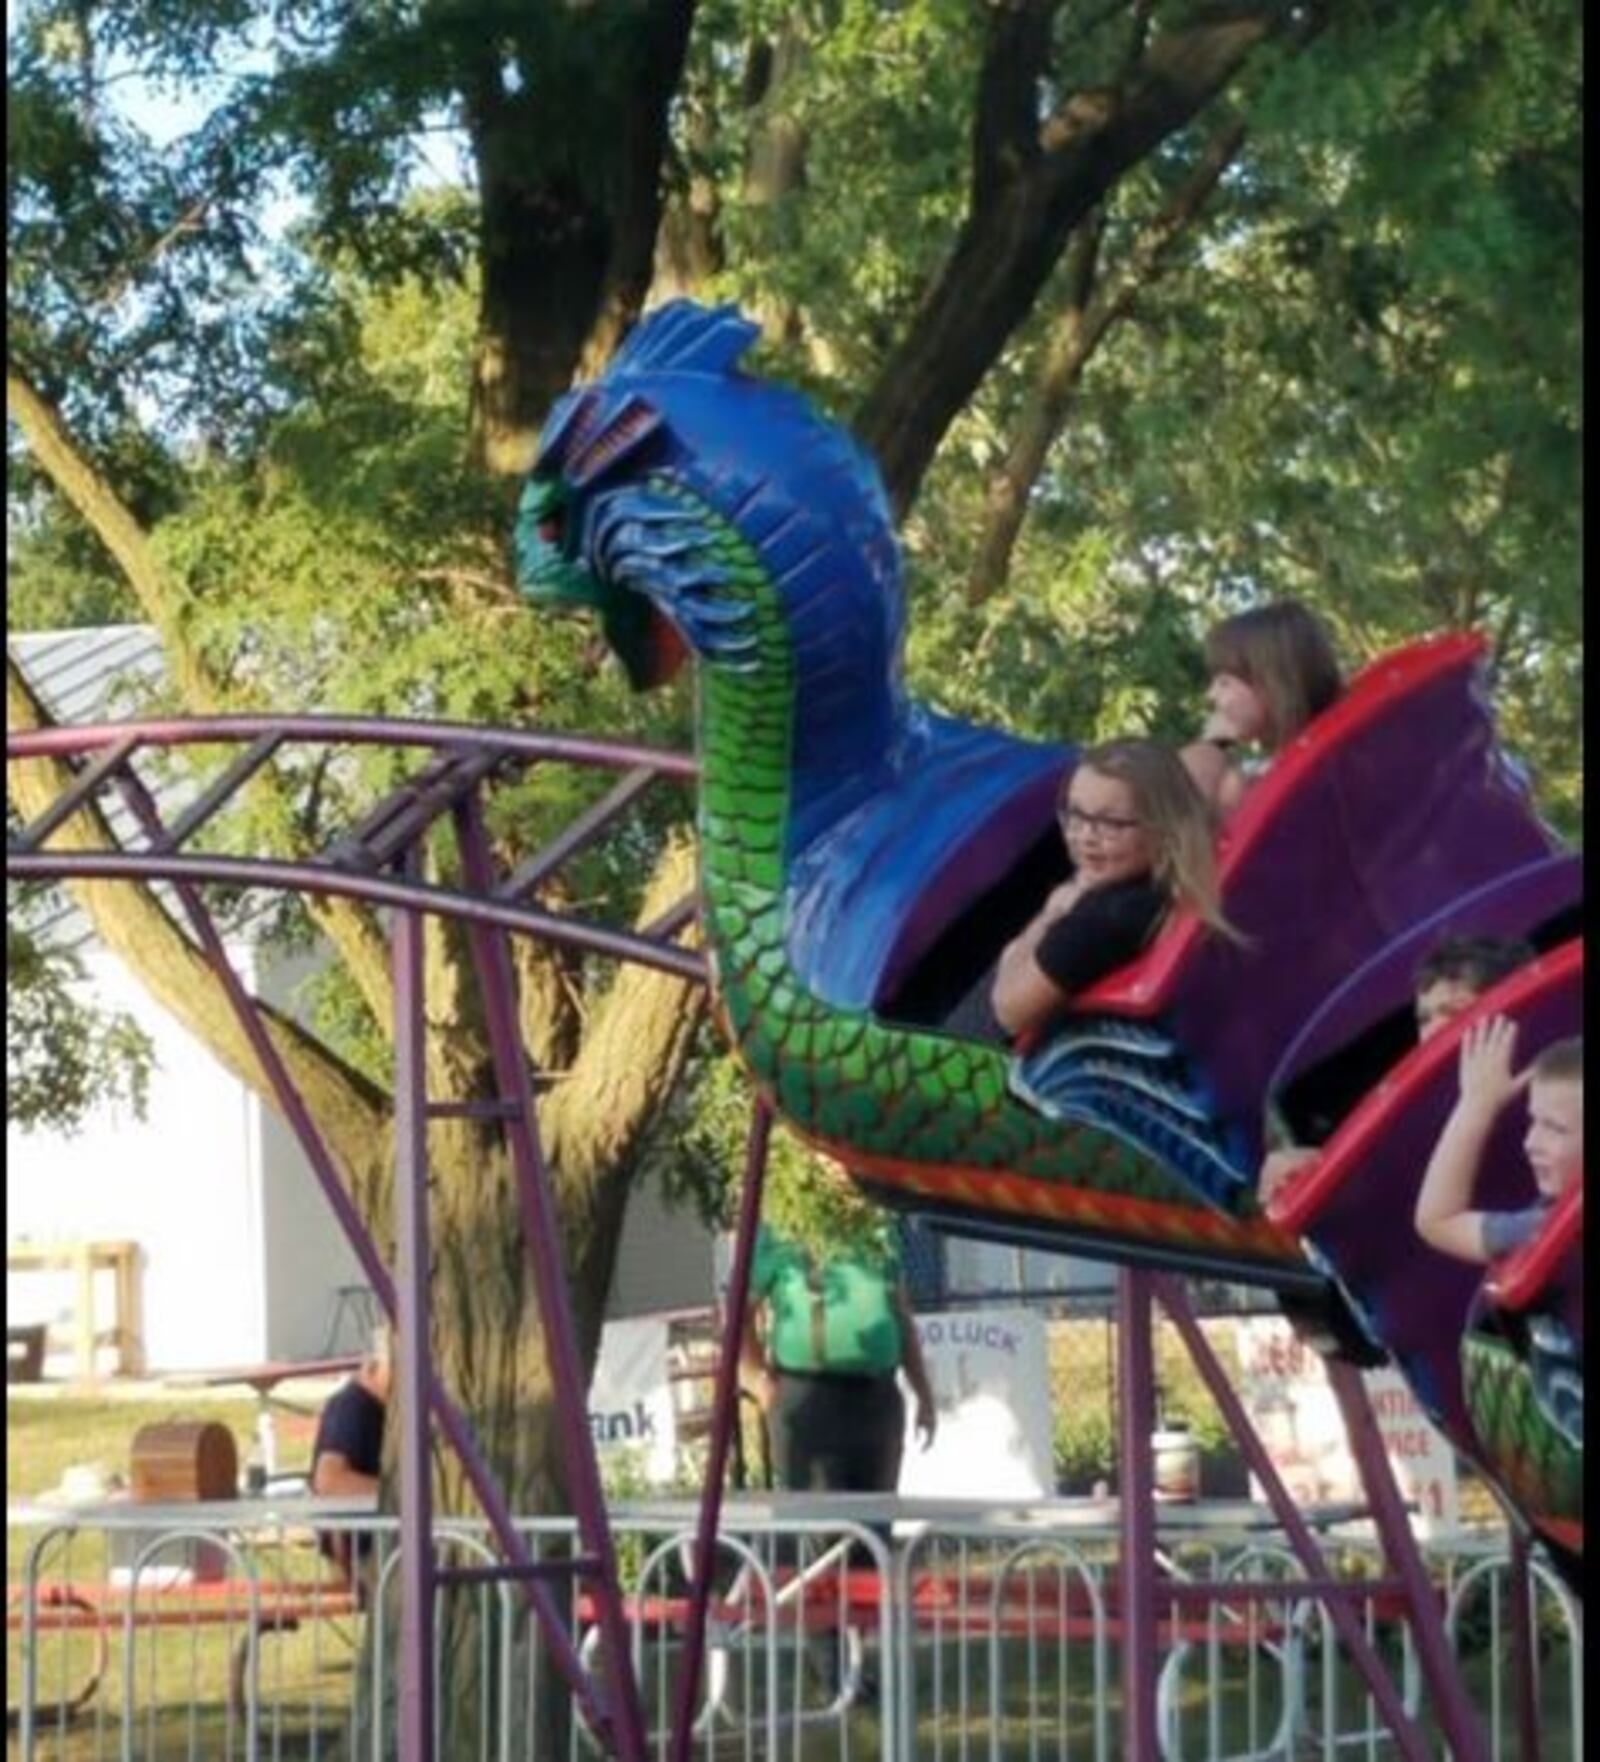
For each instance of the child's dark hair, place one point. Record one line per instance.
(1478, 961)
(1560, 1062)
(1282, 652)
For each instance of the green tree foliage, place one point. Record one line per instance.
(64, 1056)
(1355, 385)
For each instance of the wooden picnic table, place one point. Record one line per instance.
(84, 1259)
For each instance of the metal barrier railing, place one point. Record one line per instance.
(976, 1639)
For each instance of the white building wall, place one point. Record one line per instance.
(183, 1183)
(305, 1256)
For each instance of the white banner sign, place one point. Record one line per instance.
(991, 1380)
(1293, 1409)
(630, 1399)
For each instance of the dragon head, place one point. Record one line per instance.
(645, 474)
(552, 570)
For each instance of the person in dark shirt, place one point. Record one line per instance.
(1139, 836)
(348, 1451)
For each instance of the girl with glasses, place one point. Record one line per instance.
(1272, 670)
(1139, 837)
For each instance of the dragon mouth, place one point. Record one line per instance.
(643, 638)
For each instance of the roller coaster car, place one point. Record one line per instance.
(1354, 1205)
(1522, 1379)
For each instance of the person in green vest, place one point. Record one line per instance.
(829, 1327)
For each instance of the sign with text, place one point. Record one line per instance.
(630, 1399)
(1293, 1409)
(991, 1381)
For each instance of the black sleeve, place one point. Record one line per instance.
(1105, 930)
(352, 1424)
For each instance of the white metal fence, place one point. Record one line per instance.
(964, 1637)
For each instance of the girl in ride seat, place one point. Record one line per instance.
(1272, 670)
(1139, 837)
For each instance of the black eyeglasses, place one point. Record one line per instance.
(1113, 825)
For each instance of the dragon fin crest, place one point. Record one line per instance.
(685, 337)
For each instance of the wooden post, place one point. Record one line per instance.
(83, 1319)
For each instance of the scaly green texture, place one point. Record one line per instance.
(1534, 1462)
(840, 1076)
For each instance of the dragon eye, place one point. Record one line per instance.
(550, 528)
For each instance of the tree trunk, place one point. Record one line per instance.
(351, 928)
(568, 229)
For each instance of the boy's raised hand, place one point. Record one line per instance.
(1487, 1080)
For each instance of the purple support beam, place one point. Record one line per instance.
(1136, 1514)
(724, 1418)
(1457, 1720)
(541, 1229)
(1359, 1649)
(222, 788)
(400, 820)
(578, 836)
(412, 1266)
(452, 1421)
(83, 788)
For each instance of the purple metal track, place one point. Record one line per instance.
(512, 743)
(380, 890)
(451, 1419)
(451, 781)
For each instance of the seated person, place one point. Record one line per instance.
(348, 1451)
(1451, 978)
(1272, 669)
(1139, 839)
(1445, 1217)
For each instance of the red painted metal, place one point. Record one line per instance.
(1144, 987)
(1308, 1193)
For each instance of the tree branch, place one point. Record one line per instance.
(348, 925)
(1017, 225)
(1091, 313)
(1005, 136)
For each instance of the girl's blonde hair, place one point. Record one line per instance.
(1174, 813)
(1284, 653)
